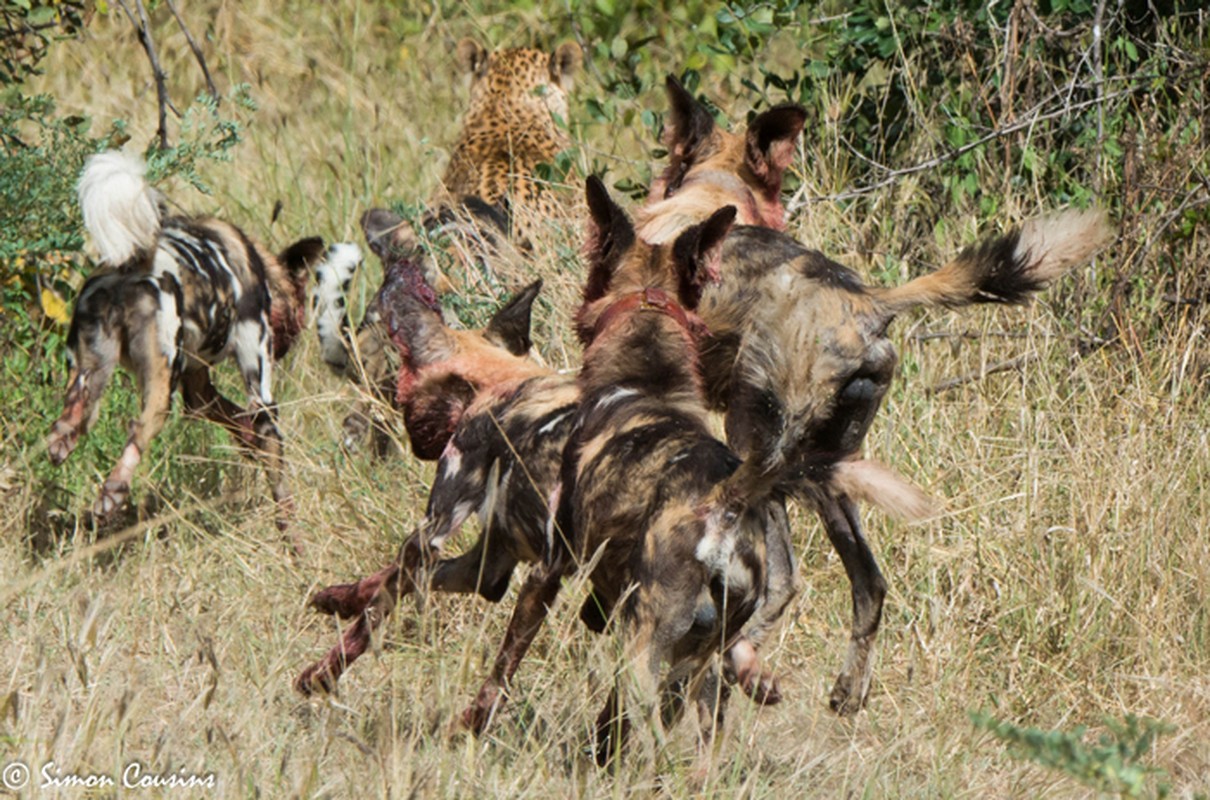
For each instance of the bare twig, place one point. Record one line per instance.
(893, 175)
(143, 26)
(931, 335)
(962, 380)
(197, 52)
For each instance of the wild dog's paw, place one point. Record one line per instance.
(762, 687)
(114, 495)
(342, 600)
(850, 693)
(479, 713)
(61, 442)
(315, 679)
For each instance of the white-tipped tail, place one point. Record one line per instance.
(877, 485)
(332, 279)
(121, 210)
(1053, 244)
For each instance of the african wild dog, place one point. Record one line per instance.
(645, 485)
(501, 462)
(178, 294)
(499, 422)
(799, 357)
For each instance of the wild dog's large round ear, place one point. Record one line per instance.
(771, 140)
(610, 236)
(565, 62)
(472, 57)
(698, 254)
(509, 328)
(302, 255)
(689, 122)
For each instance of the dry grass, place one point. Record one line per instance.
(1067, 581)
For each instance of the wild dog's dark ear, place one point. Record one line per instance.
(610, 236)
(509, 328)
(472, 57)
(770, 143)
(689, 122)
(300, 256)
(383, 231)
(564, 63)
(698, 254)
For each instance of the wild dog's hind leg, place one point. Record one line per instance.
(741, 662)
(843, 525)
(85, 386)
(94, 349)
(371, 600)
(150, 353)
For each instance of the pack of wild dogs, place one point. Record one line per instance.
(696, 303)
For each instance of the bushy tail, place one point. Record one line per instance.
(860, 479)
(1007, 268)
(331, 320)
(121, 210)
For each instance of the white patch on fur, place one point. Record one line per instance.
(615, 396)
(876, 484)
(1053, 244)
(451, 461)
(332, 278)
(121, 210)
(716, 550)
(491, 494)
(550, 426)
(250, 343)
(168, 325)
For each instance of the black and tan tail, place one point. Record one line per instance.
(1007, 268)
(860, 479)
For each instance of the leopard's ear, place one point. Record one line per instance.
(564, 63)
(472, 57)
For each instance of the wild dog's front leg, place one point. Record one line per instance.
(386, 588)
(537, 594)
(843, 525)
(254, 357)
(202, 399)
(636, 697)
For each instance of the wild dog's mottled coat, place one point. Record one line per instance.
(192, 293)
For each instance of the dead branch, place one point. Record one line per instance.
(197, 52)
(143, 26)
(962, 380)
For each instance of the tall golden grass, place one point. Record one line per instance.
(1067, 581)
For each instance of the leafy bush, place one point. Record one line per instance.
(1114, 764)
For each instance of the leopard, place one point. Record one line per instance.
(491, 202)
(516, 121)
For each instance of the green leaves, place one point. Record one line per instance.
(1112, 764)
